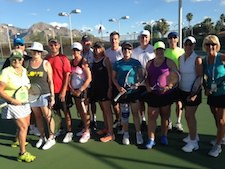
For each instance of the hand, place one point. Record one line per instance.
(51, 102)
(191, 98)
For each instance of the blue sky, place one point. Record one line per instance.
(24, 13)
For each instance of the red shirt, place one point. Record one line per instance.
(60, 67)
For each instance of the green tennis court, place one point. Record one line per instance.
(114, 155)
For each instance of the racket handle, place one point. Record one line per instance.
(83, 107)
(3, 105)
(118, 96)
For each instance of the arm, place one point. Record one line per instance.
(48, 69)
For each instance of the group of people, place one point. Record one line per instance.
(95, 74)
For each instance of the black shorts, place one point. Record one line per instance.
(216, 101)
(64, 106)
(132, 95)
(159, 100)
(183, 98)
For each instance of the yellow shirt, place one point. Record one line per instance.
(13, 79)
(174, 54)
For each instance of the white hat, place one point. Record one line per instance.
(77, 45)
(145, 32)
(190, 38)
(38, 47)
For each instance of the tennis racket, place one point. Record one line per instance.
(140, 81)
(26, 94)
(167, 79)
(195, 89)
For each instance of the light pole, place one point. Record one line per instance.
(118, 21)
(7, 30)
(75, 11)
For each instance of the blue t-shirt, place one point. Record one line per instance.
(219, 71)
(128, 69)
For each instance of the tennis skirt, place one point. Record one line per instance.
(182, 95)
(216, 101)
(42, 101)
(16, 112)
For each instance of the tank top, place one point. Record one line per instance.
(187, 71)
(155, 72)
(78, 76)
(39, 76)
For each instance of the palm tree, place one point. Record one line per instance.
(222, 18)
(189, 17)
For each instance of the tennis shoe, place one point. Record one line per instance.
(213, 142)
(49, 143)
(34, 131)
(16, 144)
(139, 138)
(60, 132)
(26, 157)
(190, 146)
(187, 139)
(80, 133)
(107, 138)
(150, 144)
(164, 140)
(41, 142)
(126, 140)
(68, 138)
(85, 137)
(215, 151)
(179, 127)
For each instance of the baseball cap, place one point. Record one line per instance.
(38, 47)
(17, 53)
(98, 45)
(172, 35)
(77, 45)
(145, 33)
(158, 45)
(86, 38)
(190, 38)
(18, 41)
(128, 44)
(53, 40)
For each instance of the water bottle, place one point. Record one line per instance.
(125, 110)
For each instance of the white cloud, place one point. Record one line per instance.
(17, 1)
(170, 1)
(48, 9)
(201, 0)
(222, 2)
(59, 24)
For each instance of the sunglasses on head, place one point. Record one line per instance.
(210, 44)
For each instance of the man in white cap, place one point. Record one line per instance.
(144, 53)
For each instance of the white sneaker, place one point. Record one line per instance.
(213, 142)
(126, 140)
(85, 137)
(68, 138)
(179, 127)
(139, 138)
(190, 146)
(187, 139)
(41, 142)
(80, 133)
(170, 125)
(49, 143)
(215, 151)
(34, 131)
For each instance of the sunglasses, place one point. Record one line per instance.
(210, 44)
(54, 44)
(17, 59)
(172, 37)
(188, 44)
(127, 48)
(19, 44)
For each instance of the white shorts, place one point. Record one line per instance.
(42, 101)
(16, 112)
